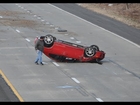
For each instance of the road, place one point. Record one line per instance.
(118, 79)
(6, 93)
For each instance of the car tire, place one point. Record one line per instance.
(89, 52)
(95, 47)
(49, 40)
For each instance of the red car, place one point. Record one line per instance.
(63, 51)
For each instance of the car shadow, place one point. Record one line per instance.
(75, 61)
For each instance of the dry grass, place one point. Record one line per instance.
(118, 11)
(11, 18)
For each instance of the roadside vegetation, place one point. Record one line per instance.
(128, 13)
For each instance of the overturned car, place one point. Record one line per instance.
(61, 50)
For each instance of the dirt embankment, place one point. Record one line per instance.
(128, 13)
(15, 18)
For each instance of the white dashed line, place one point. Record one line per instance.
(27, 39)
(75, 80)
(47, 23)
(100, 100)
(42, 20)
(1, 17)
(34, 15)
(114, 73)
(44, 63)
(38, 18)
(18, 31)
(56, 28)
(71, 37)
(78, 41)
(51, 25)
(55, 64)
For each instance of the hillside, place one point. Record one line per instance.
(128, 13)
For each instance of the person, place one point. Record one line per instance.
(39, 45)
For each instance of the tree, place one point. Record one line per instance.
(127, 6)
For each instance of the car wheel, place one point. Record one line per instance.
(95, 47)
(89, 52)
(49, 40)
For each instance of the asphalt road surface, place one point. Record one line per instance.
(6, 93)
(118, 79)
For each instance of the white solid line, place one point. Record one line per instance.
(100, 100)
(98, 26)
(27, 39)
(18, 31)
(75, 80)
(55, 64)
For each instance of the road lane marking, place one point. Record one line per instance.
(51, 25)
(38, 17)
(55, 64)
(22, 7)
(71, 37)
(78, 41)
(47, 22)
(56, 28)
(35, 15)
(97, 26)
(44, 63)
(75, 80)
(17, 30)
(100, 100)
(1, 17)
(27, 39)
(11, 86)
